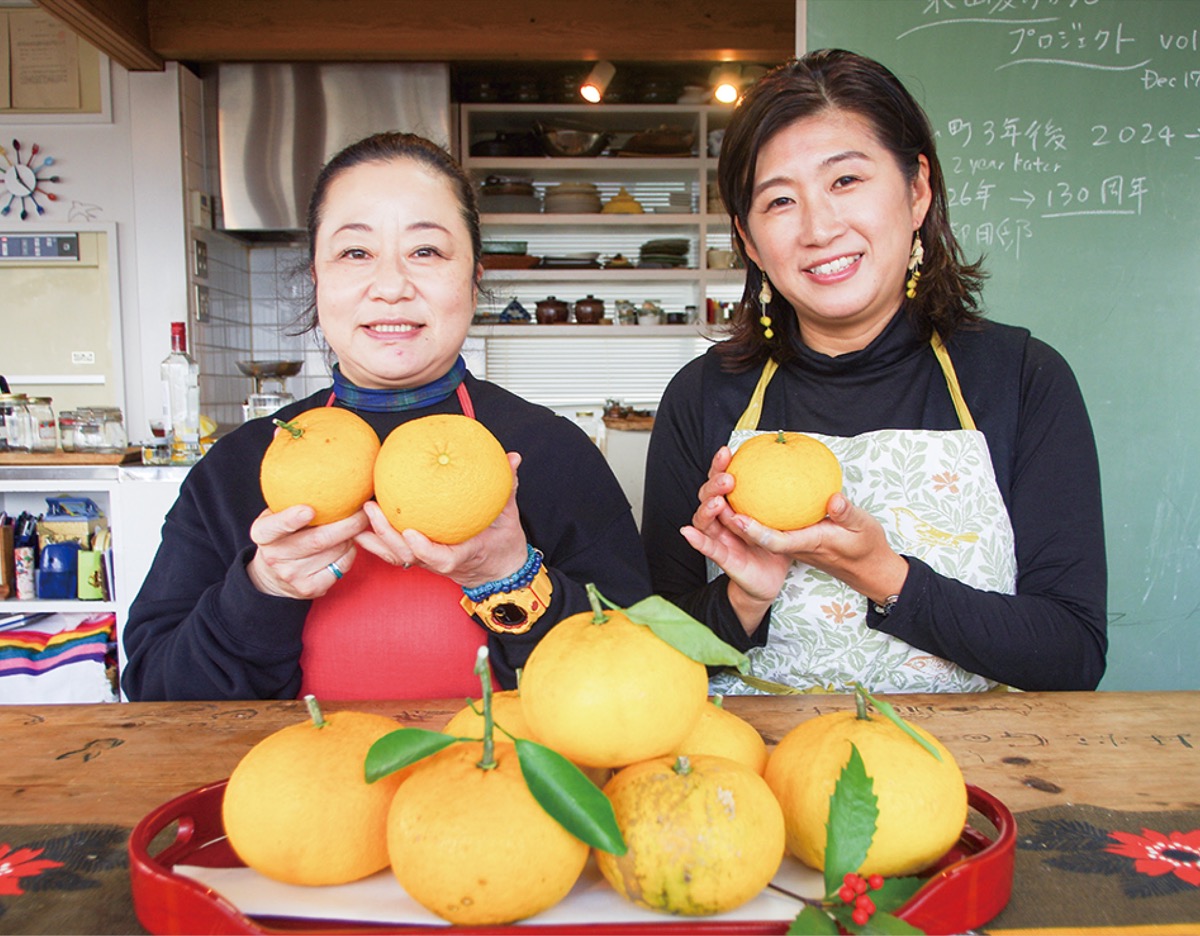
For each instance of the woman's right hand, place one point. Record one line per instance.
(293, 558)
(755, 574)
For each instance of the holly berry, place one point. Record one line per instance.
(865, 903)
(860, 917)
(875, 881)
(846, 892)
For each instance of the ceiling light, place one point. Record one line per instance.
(727, 82)
(596, 83)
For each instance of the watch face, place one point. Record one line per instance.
(20, 180)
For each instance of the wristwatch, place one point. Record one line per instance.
(886, 608)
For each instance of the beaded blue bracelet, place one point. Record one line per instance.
(519, 579)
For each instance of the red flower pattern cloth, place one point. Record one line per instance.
(1156, 854)
(21, 863)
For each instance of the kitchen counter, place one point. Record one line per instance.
(1088, 763)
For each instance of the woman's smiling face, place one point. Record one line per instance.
(831, 222)
(395, 273)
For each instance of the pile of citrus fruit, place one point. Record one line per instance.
(446, 475)
(494, 819)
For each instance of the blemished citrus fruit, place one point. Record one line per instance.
(298, 808)
(325, 458)
(473, 845)
(445, 476)
(783, 479)
(922, 801)
(704, 834)
(721, 733)
(507, 712)
(610, 694)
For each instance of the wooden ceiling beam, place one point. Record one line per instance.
(118, 28)
(469, 30)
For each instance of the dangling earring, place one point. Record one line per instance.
(764, 300)
(914, 264)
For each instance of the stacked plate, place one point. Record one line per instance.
(507, 195)
(664, 253)
(572, 198)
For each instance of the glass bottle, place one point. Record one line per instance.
(15, 429)
(181, 398)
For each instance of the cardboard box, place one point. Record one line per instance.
(8, 573)
(69, 530)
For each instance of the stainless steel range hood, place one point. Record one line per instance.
(279, 123)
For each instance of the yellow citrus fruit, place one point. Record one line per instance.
(507, 712)
(721, 733)
(922, 801)
(473, 845)
(326, 459)
(610, 694)
(445, 476)
(784, 479)
(705, 834)
(298, 808)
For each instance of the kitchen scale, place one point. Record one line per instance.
(270, 392)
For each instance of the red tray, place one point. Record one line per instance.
(969, 886)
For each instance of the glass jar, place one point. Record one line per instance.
(89, 430)
(66, 429)
(43, 424)
(16, 432)
(112, 429)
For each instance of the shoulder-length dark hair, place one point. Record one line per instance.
(384, 148)
(825, 80)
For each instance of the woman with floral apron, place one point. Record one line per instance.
(965, 551)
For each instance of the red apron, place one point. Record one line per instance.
(384, 632)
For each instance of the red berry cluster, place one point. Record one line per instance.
(854, 892)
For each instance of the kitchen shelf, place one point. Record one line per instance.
(56, 606)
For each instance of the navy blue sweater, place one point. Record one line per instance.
(200, 630)
(1023, 397)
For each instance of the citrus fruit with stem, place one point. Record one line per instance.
(922, 797)
(721, 733)
(704, 834)
(507, 712)
(445, 476)
(606, 692)
(470, 840)
(325, 458)
(298, 808)
(783, 479)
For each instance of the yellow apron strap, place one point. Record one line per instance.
(753, 412)
(960, 405)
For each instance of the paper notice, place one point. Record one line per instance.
(44, 62)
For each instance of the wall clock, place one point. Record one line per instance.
(24, 181)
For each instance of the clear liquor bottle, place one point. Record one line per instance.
(181, 399)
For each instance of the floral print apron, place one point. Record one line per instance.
(936, 496)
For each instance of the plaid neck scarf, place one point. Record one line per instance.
(393, 400)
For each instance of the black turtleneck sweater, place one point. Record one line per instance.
(1023, 396)
(200, 630)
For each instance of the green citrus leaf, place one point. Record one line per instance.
(812, 921)
(851, 826)
(896, 892)
(402, 747)
(885, 709)
(576, 803)
(683, 632)
(880, 923)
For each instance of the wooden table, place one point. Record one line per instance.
(1132, 751)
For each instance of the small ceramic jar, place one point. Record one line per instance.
(551, 311)
(589, 311)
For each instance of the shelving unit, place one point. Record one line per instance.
(134, 501)
(650, 179)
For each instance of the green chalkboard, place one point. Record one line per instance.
(1070, 135)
